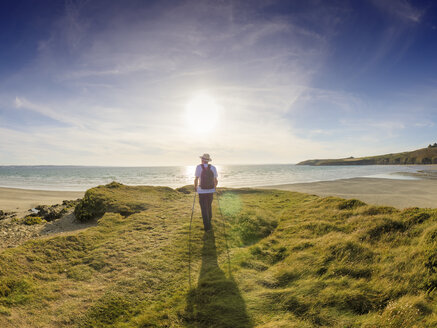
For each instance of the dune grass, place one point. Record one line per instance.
(282, 259)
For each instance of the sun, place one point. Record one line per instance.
(202, 113)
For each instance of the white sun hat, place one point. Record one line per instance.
(206, 157)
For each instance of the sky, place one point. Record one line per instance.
(113, 83)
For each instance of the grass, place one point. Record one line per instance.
(288, 260)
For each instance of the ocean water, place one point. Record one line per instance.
(80, 178)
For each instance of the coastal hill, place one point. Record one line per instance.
(279, 259)
(420, 156)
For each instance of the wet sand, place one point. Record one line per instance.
(21, 200)
(390, 192)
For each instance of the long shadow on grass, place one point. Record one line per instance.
(216, 301)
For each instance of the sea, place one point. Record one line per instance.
(81, 178)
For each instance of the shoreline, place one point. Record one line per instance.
(399, 193)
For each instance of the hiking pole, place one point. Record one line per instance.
(225, 234)
(189, 241)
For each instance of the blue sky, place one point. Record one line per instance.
(96, 82)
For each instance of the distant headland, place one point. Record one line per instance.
(420, 156)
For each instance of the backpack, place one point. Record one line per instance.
(207, 178)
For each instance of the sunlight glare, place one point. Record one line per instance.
(202, 113)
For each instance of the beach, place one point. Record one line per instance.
(21, 200)
(377, 191)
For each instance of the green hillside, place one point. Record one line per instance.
(288, 260)
(421, 156)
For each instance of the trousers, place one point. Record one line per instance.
(205, 201)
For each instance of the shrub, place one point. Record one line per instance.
(90, 207)
(31, 220)
(70, 203)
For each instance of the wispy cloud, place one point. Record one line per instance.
(23, 103)
(402, 9)
(427, 124)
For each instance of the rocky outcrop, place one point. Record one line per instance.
(54, 212)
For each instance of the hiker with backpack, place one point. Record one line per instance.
(205, 184)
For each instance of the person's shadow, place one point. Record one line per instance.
(216, 301)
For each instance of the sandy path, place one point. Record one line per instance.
(390, 192)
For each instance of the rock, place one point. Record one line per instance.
(50, 213)
(54, 212)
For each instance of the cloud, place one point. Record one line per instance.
(343, 102)
(76, 25)
(424, 124)
(152, 74)
(386, 126)
(22, 103)
(118, 75)
(401, 9)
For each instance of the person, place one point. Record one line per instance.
(205, 183)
